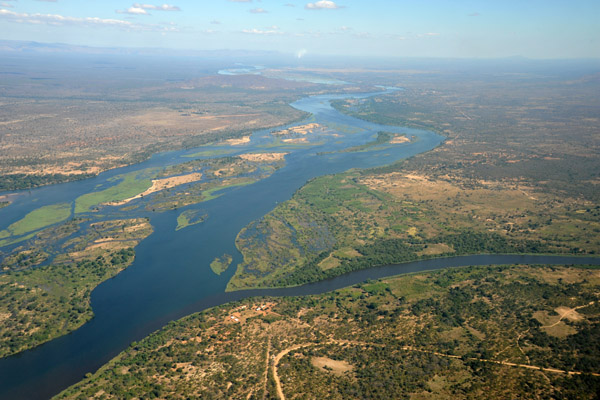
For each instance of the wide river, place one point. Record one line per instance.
(171, 277)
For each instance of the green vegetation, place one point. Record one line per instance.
(381, 139)
(461, 333)
(29, 181)
(41, 247)
(210, 153)
(37, 219)
(212, 192)
(130, 185)
(218, 174)
(347, 129)
(278, 143)
(383, 217)
(190, 217)
(220, 264)
(38, 305)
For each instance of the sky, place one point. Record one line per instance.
(374, 28)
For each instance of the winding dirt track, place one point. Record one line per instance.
(282, 353)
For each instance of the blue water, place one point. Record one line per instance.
(170, 276)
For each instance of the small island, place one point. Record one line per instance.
(220, 264)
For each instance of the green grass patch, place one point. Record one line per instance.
(37, 219)
(382, 138)
(210, 153)
(279, 144)
(131, 185)
(6, 242)
(212, 193)
(220, 264)
(189, 217)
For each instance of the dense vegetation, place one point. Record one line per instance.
(356, 220)
(442, 334)
(29, 181)
(40, 304)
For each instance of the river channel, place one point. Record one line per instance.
(171, 277)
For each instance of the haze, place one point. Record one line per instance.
(533, 29)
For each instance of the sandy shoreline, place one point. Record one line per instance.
(161, 184)
(238, 142)
(301, 130)
(263, 157)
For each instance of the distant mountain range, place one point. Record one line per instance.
(37, 47)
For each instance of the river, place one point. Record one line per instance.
(171, 277)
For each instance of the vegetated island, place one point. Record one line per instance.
(220, 264)
(190, 217)
(40, 304)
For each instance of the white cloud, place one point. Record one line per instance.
(322, 4)
(133, 11)
(6, 5)
(258, 11)
(269, 31)
(215, 22)
(140, 9)
(60, 20)
(163, 7)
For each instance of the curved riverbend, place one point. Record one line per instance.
(171, 277)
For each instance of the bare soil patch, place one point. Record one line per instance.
(336, 367)
(399, 140)
(263, 157)
(300, 130)
(296, 140)
(568, 313)
(238, 142)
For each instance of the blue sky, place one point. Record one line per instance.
(425, 28)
